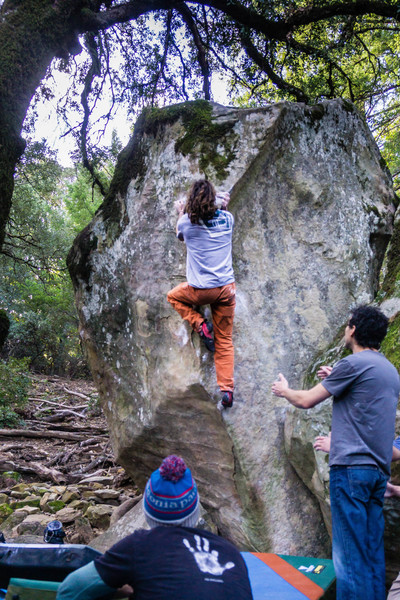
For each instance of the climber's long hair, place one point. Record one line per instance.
(201, 201)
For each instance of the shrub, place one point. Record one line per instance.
(50, 340)
(14, 386)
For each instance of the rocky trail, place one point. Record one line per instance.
(60, 465)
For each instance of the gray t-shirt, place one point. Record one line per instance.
(366, 390)
(209, 250)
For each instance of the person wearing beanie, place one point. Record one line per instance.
(171, 561)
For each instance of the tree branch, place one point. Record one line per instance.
(183, 68)
(164, 57)
(25, 261)
(275, 28)
(94, 70)
(278, 27)
(226, 67)
(201, 51)
(314, 13)
(262, 62)
(90, 21)
(318, 53)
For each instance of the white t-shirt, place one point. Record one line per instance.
(209, 250)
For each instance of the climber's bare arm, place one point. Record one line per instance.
(179, 207)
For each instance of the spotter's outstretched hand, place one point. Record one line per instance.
(324, 371)
(323, 443)
(280, 386)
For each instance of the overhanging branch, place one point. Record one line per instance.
(313, 52)
(94, 70)
(265, 66)
(164, 57)
(201, 51)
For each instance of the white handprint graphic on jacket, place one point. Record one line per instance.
(207, 560)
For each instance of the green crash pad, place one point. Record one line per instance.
(30, 589)
(279, 577)
(319, 570)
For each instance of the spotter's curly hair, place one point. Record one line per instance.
(200, 204)
(371, 326)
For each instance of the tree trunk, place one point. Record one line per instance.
(4, 327)
(32, 33)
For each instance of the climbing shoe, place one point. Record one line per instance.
(227, 399)
(205, 334)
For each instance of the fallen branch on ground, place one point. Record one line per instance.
(98, 461)
(64, 435)
(7, 464)
(63, 457)
(98, 473)
(79, 394)
(59, 415)
(8, 447)
(39, 399)
(67, 427)
(90, 442)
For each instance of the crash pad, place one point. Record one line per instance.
(28, 589)
(281, 577)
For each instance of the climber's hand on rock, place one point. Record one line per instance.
(180, 206)
(225, 199)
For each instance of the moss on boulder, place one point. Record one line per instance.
(203, 138)
(55, 505)
(391, 343)
(391, 282)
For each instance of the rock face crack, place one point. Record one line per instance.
(313, 206)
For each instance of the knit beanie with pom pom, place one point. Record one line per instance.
(170, 496)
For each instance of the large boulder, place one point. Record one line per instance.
(314, 206)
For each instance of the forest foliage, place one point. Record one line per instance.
(14, 387)
(153, 53)
(264, 51)
(51, 205)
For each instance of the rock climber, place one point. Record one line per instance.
(207, 233)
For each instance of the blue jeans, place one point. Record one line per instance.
(357, 531)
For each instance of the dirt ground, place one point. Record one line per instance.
(63, 439)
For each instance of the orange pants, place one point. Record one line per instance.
(222, 301)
